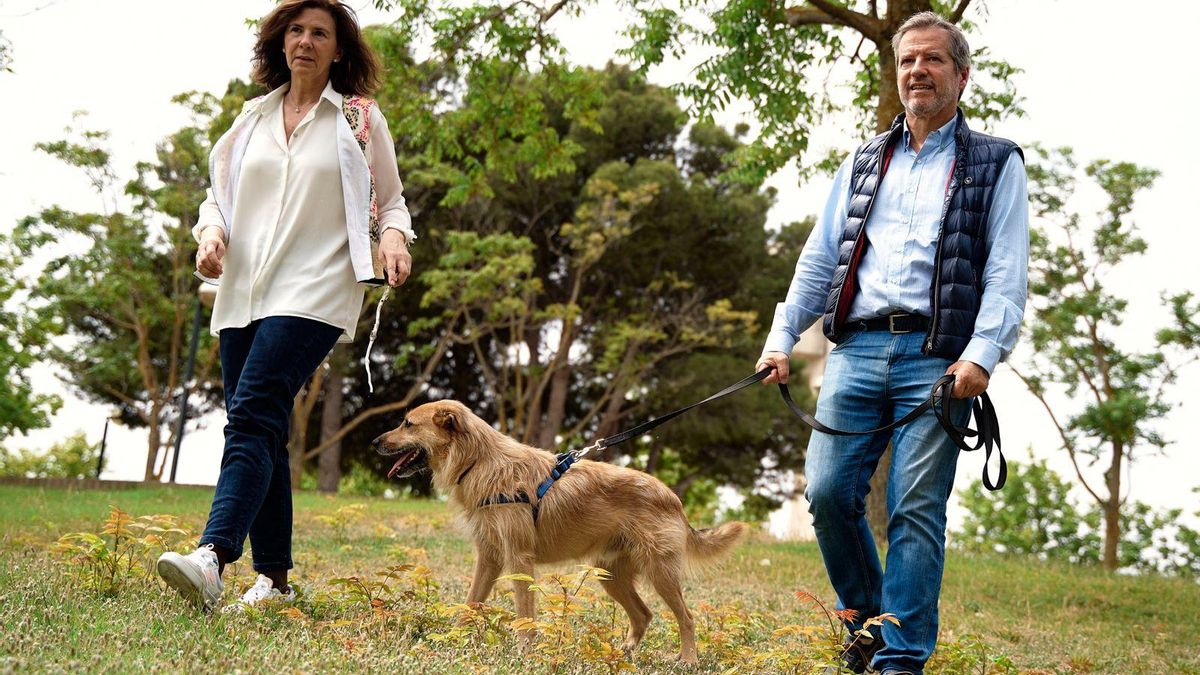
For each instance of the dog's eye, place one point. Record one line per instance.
(406, 423)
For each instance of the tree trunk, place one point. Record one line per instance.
(154, 445)
(556, 411)
(329, 463)
(302, 408)
(297, 440)
(877, 515)
(889, 95)
(1112, 510)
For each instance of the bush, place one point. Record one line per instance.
(1035, 515)
(74, 457)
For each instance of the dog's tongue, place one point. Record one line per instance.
(399, 464)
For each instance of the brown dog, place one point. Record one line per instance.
(626, 521)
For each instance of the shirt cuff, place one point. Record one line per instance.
(982, 353)
(779, 341)
(406, 230)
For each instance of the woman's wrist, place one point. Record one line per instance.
(399, 234)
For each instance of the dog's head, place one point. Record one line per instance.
(426, 439)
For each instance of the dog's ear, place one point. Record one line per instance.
(446, 420)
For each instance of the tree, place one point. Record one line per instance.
(787, 60)
(536, 312)
(118, 289)
(1114, 395)
(779, 59)
(21, 409)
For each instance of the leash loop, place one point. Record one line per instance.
(987, 432)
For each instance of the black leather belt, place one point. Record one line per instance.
(892, 323)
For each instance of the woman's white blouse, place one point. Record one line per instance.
(289, 253)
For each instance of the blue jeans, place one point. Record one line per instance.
(264, 365)
(873, 378)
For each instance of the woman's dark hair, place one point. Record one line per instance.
(356, 72)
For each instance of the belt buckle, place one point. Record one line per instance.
(892, 324)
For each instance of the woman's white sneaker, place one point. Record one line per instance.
(196, 576)
(262, 591)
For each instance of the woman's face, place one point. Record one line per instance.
(310, 44)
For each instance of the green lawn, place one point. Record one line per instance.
(1041, 618)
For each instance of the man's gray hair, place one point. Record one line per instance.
(960, 51)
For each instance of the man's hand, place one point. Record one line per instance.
(780, 362)
(211, 253)
(393, 253)
(970, 379)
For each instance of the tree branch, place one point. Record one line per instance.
(413, 392)
(825, 12)
(958, 12)
(1066, 441)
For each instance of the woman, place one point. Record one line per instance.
(305, 207)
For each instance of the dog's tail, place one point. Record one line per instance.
(714, 542)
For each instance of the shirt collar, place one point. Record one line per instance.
(276, 95)
(331, 95)
(938, 139)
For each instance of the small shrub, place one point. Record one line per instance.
(341, 520)
(125, 549)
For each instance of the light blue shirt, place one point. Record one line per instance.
(902, 231)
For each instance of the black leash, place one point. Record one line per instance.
(987, 432)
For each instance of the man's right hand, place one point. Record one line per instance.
(779, 362)
(211, 252)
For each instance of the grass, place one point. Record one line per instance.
(1042, 618)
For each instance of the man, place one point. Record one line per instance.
(918, 268)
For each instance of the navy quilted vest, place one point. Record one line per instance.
(962, 245)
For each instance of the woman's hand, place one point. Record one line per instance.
(393, 253)
(211, 252)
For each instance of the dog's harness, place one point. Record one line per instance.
(565, 460)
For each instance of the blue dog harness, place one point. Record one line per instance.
(565, 460)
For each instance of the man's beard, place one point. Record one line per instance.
(926, 107)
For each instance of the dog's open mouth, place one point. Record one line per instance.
(411, 459)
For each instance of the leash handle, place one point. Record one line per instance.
(987, 432)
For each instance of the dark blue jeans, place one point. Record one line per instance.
(264, 365)
(871, 379)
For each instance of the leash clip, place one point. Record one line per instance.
(582, 452)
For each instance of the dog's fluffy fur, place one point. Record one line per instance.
(625, 521)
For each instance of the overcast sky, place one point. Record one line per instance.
(1101, 76)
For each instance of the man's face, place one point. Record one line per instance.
(928, 79)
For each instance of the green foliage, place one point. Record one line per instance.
(566, 304)
(1035, 515)
(73, 457)
(123, 552)
(1116, 395)
(21, 342)
(788, 62)
(341, 520)
(117, 283)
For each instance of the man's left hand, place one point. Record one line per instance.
(393, 253)
(970, 379)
